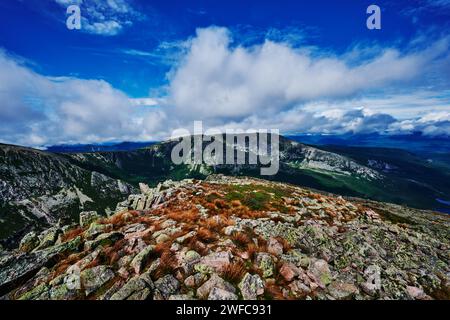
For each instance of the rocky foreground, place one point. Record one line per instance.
(228, 238)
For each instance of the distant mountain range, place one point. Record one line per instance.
(42, 187)
(416, 143)
(120, 146)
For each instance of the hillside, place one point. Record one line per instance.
(382, 174)
(38, 188)
(236, 238)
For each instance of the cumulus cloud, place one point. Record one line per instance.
(39, 110)
(220, 79)
(228, 85)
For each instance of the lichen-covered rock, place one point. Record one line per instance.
(141, 287)
(342, 290)
(141, 259)
(14, 268)
(214, 262)
(265, 262)
(63, 292)
(104, 239)
(320, 269)
(274, 247)
(338, 249)
(48, 237)
(221, 294)
(96, 229)
(29, 242)
(178, 297)
(87, 217)
(195, 280)
(167, 285)
(214, 282)
(251, 286)
(40, 292)
(94, 278)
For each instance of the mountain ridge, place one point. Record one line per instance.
(229, 238)
(41, 187)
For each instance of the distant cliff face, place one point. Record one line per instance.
(39, 188)
(228, 238)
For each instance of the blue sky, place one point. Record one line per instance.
(138, 69)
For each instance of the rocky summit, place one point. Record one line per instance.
(227, 238)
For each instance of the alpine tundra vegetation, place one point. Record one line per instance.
(227, 238)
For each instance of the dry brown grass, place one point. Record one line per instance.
(94, 263)
(286, 245)
(72, 234)
(273, 292)
(221, 204)
(65, 263)
(144, 220)
(241, 239)
(217, 222)
(234, 272)
(117, 218)
(111, 254)
(188, 216)
(168, 260)
(254, 248)
(196, 245)
(205, 235)
(236, 203)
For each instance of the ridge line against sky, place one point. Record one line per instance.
(144, 75)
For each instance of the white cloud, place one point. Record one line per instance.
(40, 110)
(271, 85)
(216, 79)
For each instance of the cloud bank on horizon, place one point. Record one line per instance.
(219, 78)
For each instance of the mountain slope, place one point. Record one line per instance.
(38, 187)
(387, 175)
(41, 187)
(237, 238)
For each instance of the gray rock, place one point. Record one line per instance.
(342, 290)
(251, 286)
(137, 288)
(373, 284)
(220, 294)
(24, 266)
(214, 282)
(104, 239)
(87, 217)
(144, 188)
(94, 278)
(167, 285)
(319, 268)
(29, 242)
(265, 262)
(139, 261)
